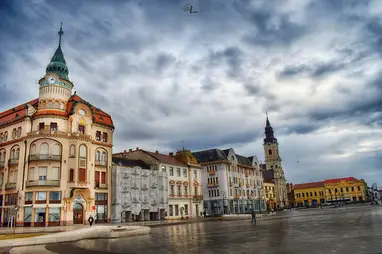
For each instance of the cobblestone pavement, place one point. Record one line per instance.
(320, 231)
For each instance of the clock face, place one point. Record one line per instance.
(51, 80)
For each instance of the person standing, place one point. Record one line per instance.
(91, 220)
(253, 217)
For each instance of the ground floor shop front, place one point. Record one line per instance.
(233, 206)
(48, 208)
(186, 208)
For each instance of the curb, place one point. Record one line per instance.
(104, 232)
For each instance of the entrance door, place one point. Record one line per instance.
(78, 214)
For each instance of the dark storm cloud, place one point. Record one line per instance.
(6, 96)
(163, 61)
(301, 128)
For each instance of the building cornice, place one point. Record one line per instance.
(12, 122)
(11, 142)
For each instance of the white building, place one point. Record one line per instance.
(231, 183)
(184, 186)
(139, 193)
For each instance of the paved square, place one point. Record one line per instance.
(340, 230)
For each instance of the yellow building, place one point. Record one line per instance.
(270, 195)
(347, 189)
(309, 194)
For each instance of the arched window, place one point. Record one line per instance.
(33, 149)
(269, 151)
(72, 152)
(44, 148)
(44, 105)
(55, 105)
(18, 153)
(103, 156)
(13, 154)
(97, 155)
(56, 149)
(62, 105)
(50, 104)
(83, 151)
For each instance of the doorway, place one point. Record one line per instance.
(78, 214)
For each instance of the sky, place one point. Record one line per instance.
(171, 78)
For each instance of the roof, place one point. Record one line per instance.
(210, 155)
(340, 179)
(13, 114)
(243, 160)
(168, 159)
(16, 113)
(309, 185)
(130, 163)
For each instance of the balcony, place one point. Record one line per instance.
(35, 183)
(10, 186)
(12, 162)
(100, 185)
(212, 185)
(197, 197)
(101, 163)
(44, 157)
(211, 172)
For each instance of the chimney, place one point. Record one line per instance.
(156, 151)
(137, 148)
(171, 154)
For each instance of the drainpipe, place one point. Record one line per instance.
(25, 162)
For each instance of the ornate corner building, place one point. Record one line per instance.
(273, 168)
(55, 155)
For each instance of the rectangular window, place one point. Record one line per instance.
(196, 190)
(217, 193)
(103, 177)
(41, 196)
(28, 197)
(101, 196)
(41, 126)
(170, 210)
(81, 129)
(54, 196)
(96, 176)
(315, 193)
(31, 174)
(54, 214)
(27, 214)
(82, 175)
(104, 137)
(184, 172)
(176, 210)
(71, 175)
(163, 168)
(185, 209)
(53, 126)
(352, 188)
(186, 190)
(11, 199)
(98, 135)
(171, 171)
(54, 174)
(359, 188)
(42, 173)
(172, 190)
(179, 190)
(178, 172)
(39, 215)
(101, 212)
(195, 174)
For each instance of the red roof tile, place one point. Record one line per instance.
(166, 158)
(309, 185)
(15, 113)
(340, 179)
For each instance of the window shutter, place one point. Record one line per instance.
(82, 176)
(54, 174)
(103, 177)
(97, 176)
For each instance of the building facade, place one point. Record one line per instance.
(139, 193)
(270, 195)
(339, 190)
(185, 198)
(55, 155)
(274, 167)
(290, 190)
(309, 194)
(231, 183)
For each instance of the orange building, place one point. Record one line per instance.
(309, 194)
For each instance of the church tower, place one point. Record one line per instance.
(273, 163)
(55, 87)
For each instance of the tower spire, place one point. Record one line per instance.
(60, 33)
(269, 134)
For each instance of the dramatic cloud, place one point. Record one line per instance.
(203, 80)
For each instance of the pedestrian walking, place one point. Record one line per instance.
(91, 220)
(253, 217)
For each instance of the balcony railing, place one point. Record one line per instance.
(44, 157)
(211, 172)
(13, 162)
(101, 163)
(101, 185)
(9, 186)
(33, 183)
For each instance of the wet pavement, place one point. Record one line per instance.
(320, 231)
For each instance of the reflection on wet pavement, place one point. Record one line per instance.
(335, 231)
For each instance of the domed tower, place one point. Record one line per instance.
(55, 86)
